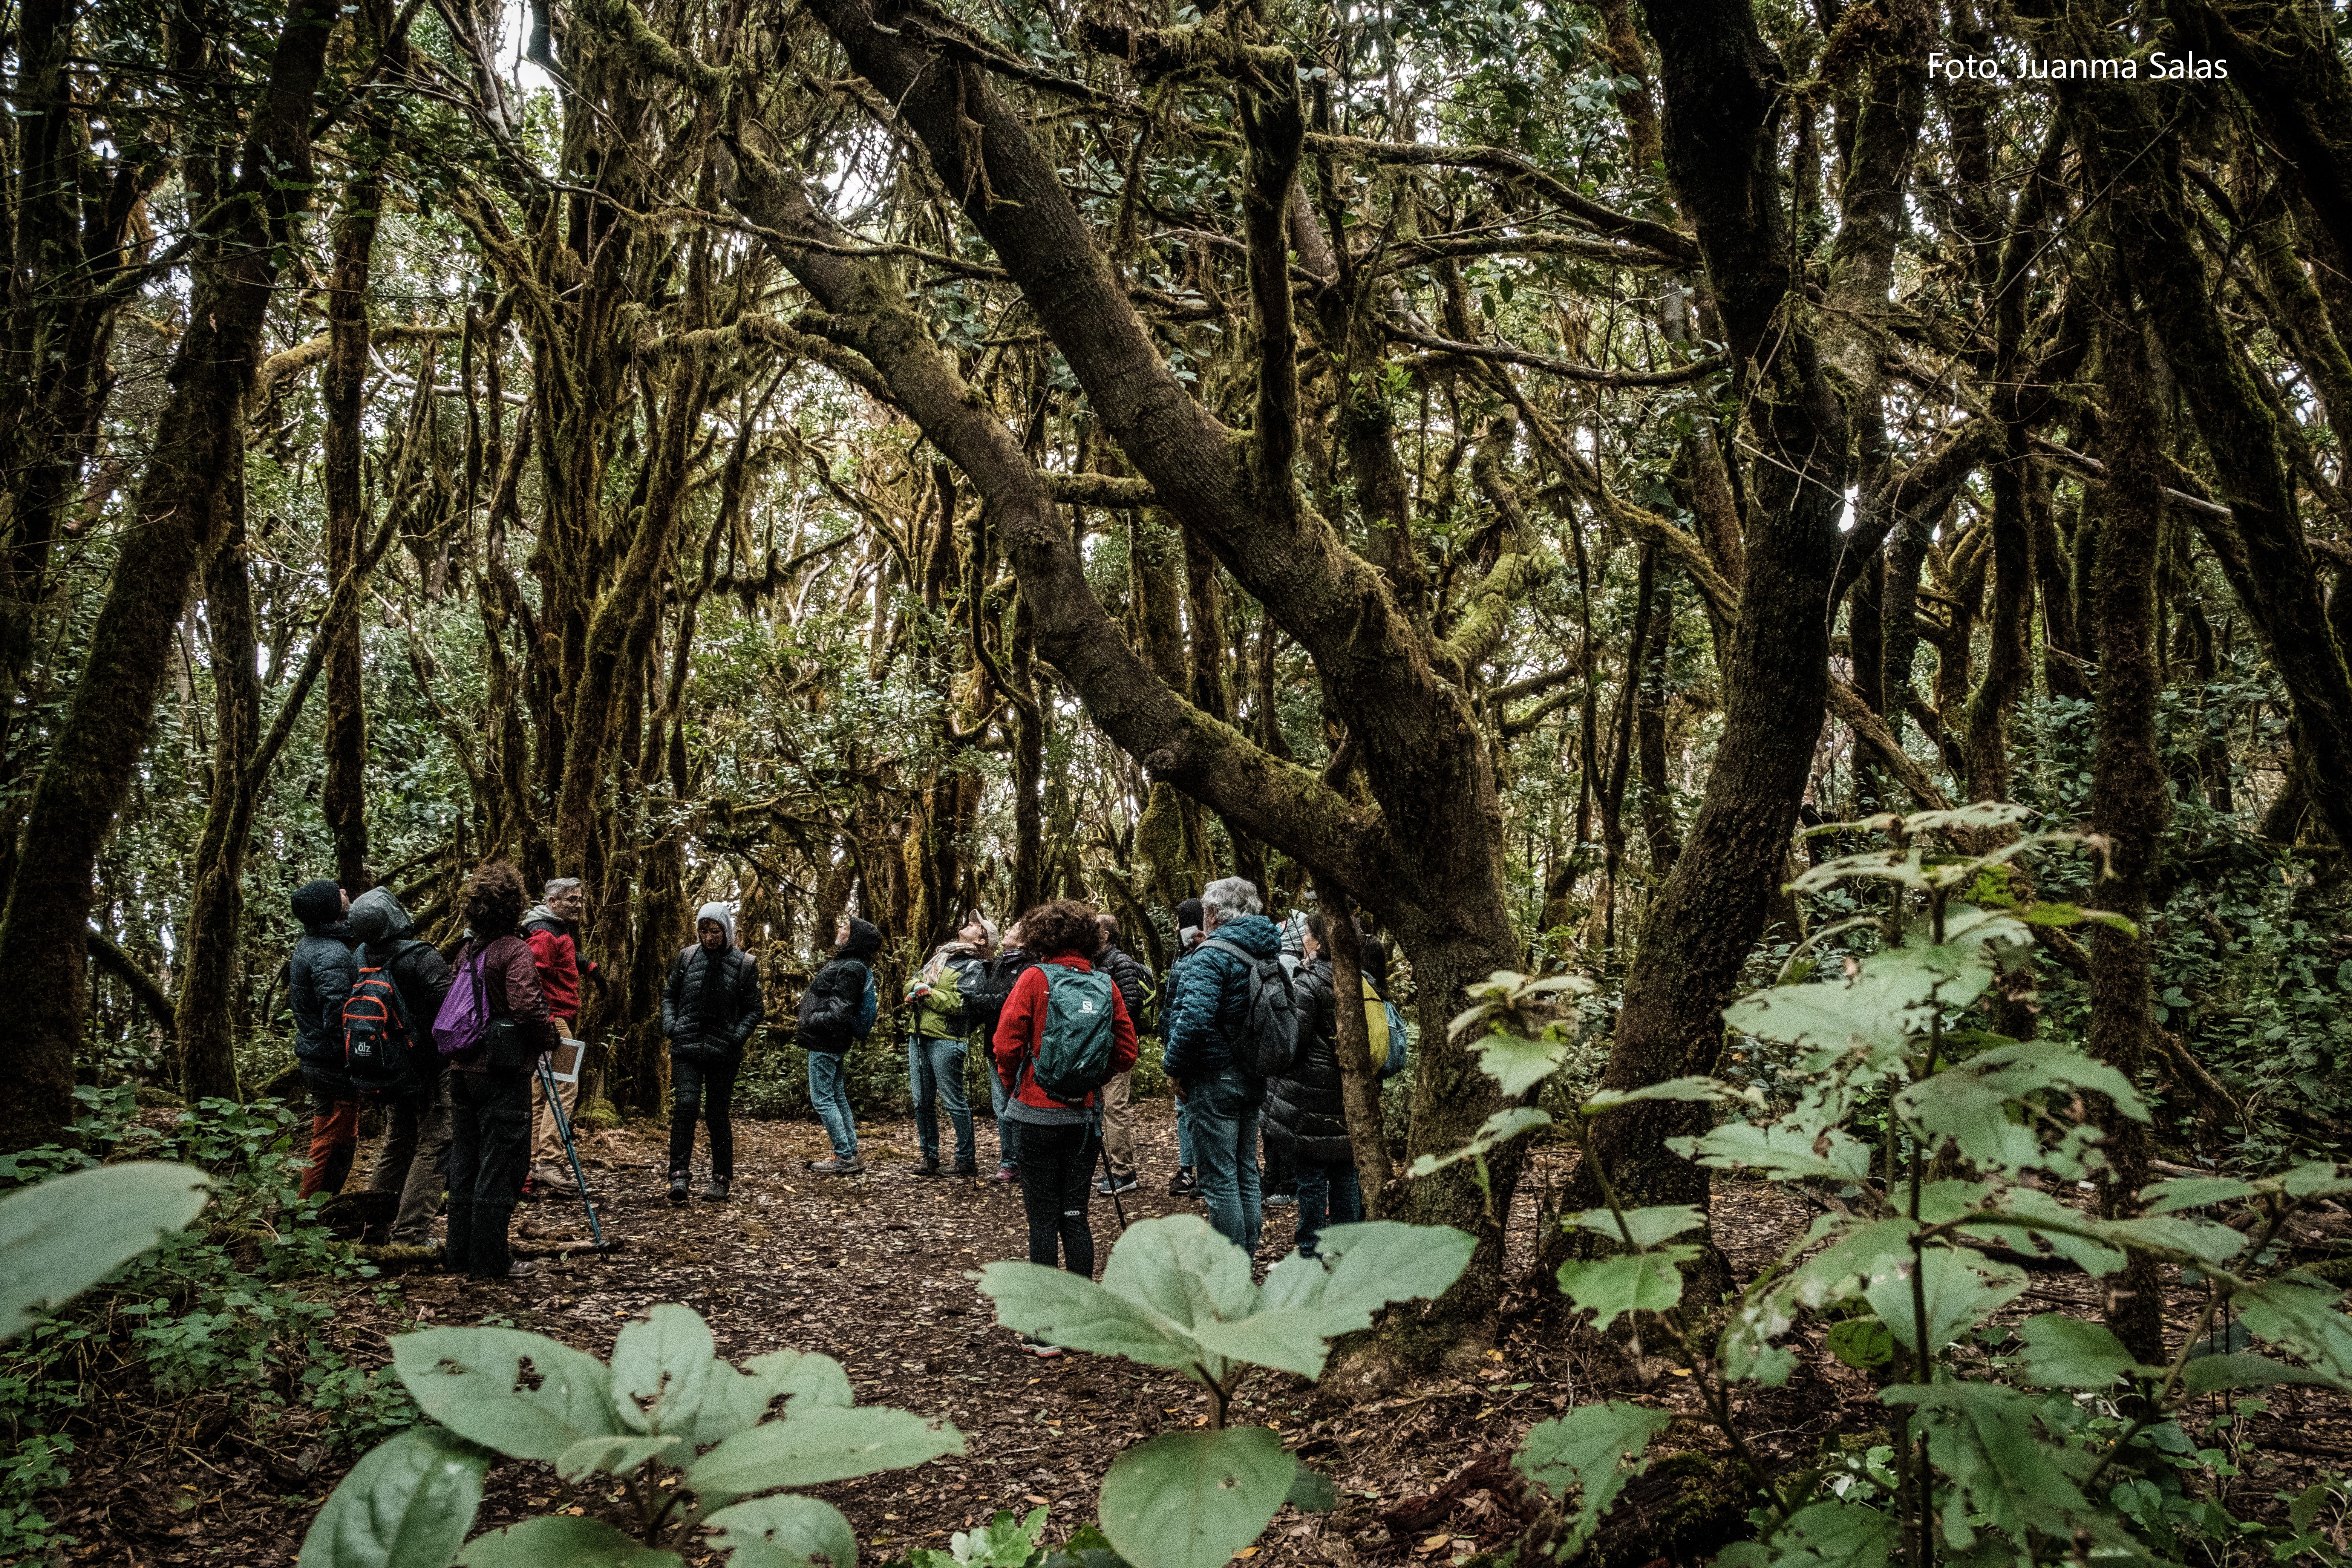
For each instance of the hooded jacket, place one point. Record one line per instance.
(1208, 998)
(840, 1002)
(1014, 1043)
(419, 971)
(937, 992)
(555, 948)
(1305, 1112)
(711, 1005)
(319, 977)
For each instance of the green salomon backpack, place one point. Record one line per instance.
(1073, 1049)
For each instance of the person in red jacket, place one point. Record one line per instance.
(552, 928)
(1057, 1137)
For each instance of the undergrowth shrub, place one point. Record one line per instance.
(1941, 1157)
(242, 1306)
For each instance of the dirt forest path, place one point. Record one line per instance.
(871, 1270)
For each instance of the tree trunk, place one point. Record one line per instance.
(181, 509)
(343, 798)
(216, 911)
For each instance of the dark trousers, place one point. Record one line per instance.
(1279, 1173)
(1056, 1170)
(704, 1093)
(489, 1151)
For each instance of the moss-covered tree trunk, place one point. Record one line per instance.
(180, 512)
(343, 382)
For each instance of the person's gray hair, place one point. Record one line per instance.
(1231, 896)
(556, 888)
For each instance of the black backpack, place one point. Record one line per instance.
(378, 1046)
(1269, 1041)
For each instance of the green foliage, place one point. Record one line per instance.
(667, 1406)
(1175, 1294)
(2038, 1442)
(239, 1302)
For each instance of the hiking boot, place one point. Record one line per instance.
(1109, 1185)
(1039, 1347)
(680, 1183)
(521, 1269)
(967, 1169)
(929, 1165)
(550, 1180)
(1281, 1200)
(1184, 1183)
(715, 1192)
(1007, 1176)
(837, 1166)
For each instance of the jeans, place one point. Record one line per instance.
(829, 1093)
(935, 1073)
(1184, 1132)
(334, 1133)
(1008, 1132)
(489, 1150)
(699, 1092)
(410, 1163)
(1327, 1195)
(1224, 1136)
(1056, 1165)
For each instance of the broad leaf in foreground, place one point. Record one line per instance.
(561, 1541)
(785, 1532)
(407, 1504)
(1191, 1500)
(811, 1447)
(1597, 1447)
(63, 1236)
(471, 1381)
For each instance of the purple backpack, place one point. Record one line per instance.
(463, 1021)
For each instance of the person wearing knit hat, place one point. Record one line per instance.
(319, 978)
(1185, 1183)
(710, 1009)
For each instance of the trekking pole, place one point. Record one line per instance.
(1110, 1177)
(563, 1129)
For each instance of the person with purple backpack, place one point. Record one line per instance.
(492, 1029)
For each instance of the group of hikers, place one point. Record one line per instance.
(454, 1050)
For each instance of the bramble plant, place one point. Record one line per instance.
(2040, 1442)
(1176, 1294)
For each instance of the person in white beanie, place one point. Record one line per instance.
(710, 1009)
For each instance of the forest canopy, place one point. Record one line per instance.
(1494, 469)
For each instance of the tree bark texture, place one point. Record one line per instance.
(182, 511)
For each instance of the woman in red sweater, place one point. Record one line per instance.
(1057, 1137)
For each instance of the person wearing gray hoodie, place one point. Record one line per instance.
(710, 1009)
(410, 1163)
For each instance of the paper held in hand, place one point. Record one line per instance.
(565, 1060)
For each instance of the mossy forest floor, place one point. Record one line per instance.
(872, 1270)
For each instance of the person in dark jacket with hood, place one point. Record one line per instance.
(838, 1009)
(490, 1104)
(1186, 1182)
(410, 1162)
(710, 1009)
(985, 992)
(319, 977)
(1134, 982)
(1305, 1115)
(1206, 1019)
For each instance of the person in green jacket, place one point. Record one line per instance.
(935, 1048)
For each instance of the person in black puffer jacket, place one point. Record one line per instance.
(1134, 982)
(984, 995)
(838, 1007)
(710, 1009)
(319, 978)
(1304, 1113)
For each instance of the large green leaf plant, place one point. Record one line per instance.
(2012, 1441)
(687, 1435)
(1175, 1294)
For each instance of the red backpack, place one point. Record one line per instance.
(376, 1037)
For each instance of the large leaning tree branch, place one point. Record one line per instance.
(1211, 760)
